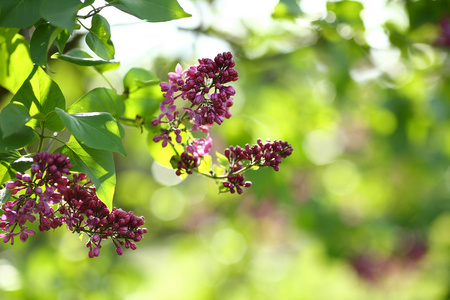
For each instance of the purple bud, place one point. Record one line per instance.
(26, 177)
(10, 185)
(95, 238)
(122, 230)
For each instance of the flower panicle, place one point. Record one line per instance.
(48, 194)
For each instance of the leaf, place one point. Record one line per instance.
(99, 100)
(19, 13)
(81, 58)
(61, 13)
(15, 62)
(6, 173)
(152, 11)
(42, 39)
(13, 117)
(222, 188)
(41, 95)
(143, 102)
(222, 160)
(98, 130)
(99, 38)
(97, 164)
(164, 155)
(22, 137)
(23, 163)
(137, 78)
(61, 40)
(4, 195)
(205, 164)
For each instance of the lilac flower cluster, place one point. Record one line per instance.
(190, 159)
(209, 99)
(267, 154)
(204, 87)
(76, 203)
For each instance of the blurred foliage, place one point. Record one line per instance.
(360, 211)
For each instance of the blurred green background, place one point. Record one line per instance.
(361, 210)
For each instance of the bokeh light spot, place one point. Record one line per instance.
(322, 147)
(341, 177)
(167, 203)
(228, 246)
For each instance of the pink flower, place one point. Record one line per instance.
(175, 77)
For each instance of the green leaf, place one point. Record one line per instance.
(6, 173)
(143, 102)
(11, 162)
(222, 160)
(22, 137)
(97, 164)
(42, 39)
(137, 78)
(19, 13)
(15, 62)
(99, 38)
(98, 130)
(13, 117)
(61, 40)
(23, 163)
(222, 188)
(81, 58)
(205, 164)
(4, 195)
(99, 100)
(152, 11)
(164, 155)
(41, 95)
(61, 13)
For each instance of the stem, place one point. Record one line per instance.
(41, 137)
(107, 81)
(53, 139)
(256, 163)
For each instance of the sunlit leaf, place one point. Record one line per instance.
(99, 100)
(98, 130)
(6, 173)
(81, 58)
(205, 164)
(222, 160)
(143, 102)
(99, 38)
(41, 95)
(137, 78)
(15, 62)
(164, 155)
(152, 11)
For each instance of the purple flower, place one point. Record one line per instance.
(24, 233)
(8, 236)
